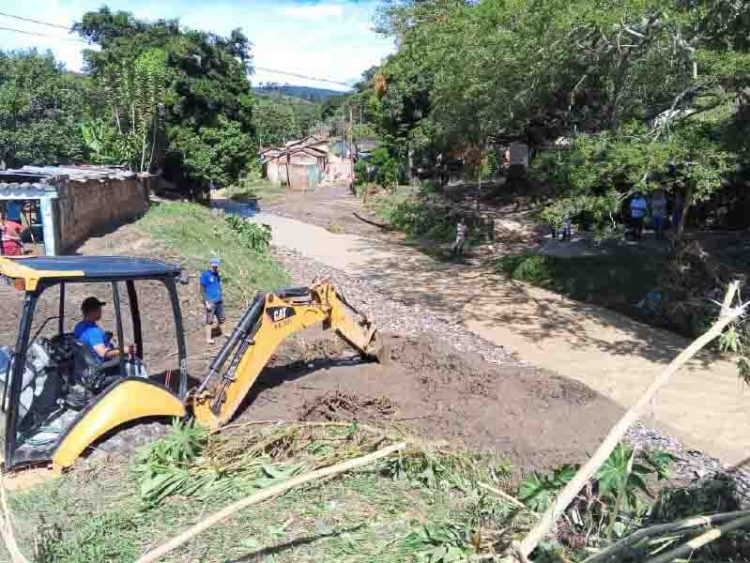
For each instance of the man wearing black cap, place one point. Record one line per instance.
(89, 333)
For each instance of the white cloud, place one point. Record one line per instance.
(312, 11)
(338, 44)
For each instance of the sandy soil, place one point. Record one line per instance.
(332, 208)
(533, 418)
(705, 405)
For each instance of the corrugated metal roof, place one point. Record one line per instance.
(25, 189)
(81, 172)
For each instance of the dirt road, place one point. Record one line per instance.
(705, 405)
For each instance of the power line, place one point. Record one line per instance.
(32, 20)
(40, 22)
(296, 75)
(36, 34)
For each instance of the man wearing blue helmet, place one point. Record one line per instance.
(210, 283)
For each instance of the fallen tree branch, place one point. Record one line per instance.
(616, 434)
(679, 526)
(160, 551)
(383, 226)
(700, 541)
(502, 494)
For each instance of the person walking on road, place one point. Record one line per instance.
(211, 293)
(461, 233)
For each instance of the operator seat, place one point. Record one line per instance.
(90, 372)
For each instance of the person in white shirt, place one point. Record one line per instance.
(462, 232)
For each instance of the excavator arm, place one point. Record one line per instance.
(267, 322)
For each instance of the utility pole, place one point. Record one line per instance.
(351, 147)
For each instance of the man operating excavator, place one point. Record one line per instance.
(89, 333)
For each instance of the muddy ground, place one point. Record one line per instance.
(535, 419)
(332, 208)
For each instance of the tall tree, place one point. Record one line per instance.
(40, 108)
(206, 77)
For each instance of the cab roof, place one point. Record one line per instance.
(84, 268)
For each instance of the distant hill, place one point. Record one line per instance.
(303, 92)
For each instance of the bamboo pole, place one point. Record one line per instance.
(702, 540)
(616, 434)
(672, 527)
(160, 551)
(502, 494)
(6, 528)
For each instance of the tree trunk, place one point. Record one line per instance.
(687, 201)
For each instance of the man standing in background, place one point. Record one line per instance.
(658, 212)
(461, 233)
(638, 208)
(211, 293)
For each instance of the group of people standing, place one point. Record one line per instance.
(654, 210)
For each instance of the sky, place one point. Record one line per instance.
(331, 39)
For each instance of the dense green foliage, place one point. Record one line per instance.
(294, 91)
(176, 89)
(155, 95)
(648, 93)
(41, 107)
(279, 119)
(618, 282)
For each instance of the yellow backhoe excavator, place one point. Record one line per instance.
(59, 400)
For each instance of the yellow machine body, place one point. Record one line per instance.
(281, 317)
(127, 401)
(271, 318)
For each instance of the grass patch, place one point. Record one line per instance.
(617, 282)
(197, 234)
(423, 504)
(255, 188)
(418, 214)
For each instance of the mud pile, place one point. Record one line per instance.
(534, 418)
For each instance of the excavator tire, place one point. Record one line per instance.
(127, 438)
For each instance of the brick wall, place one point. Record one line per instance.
(92, 206)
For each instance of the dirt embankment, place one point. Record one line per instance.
(535, 419)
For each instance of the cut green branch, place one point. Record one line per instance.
(727, 315)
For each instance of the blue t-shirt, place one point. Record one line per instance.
(211, 284)
(638, 207)
(91, 334)
(14, 211)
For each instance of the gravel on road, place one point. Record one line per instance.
(383, 308)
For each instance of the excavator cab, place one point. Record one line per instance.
(58, 399)
(57, 396)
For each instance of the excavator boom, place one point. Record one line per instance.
(263, 327)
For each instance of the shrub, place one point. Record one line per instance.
(256, 237)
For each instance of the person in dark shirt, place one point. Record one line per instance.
(211, 292)
(93, 336)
